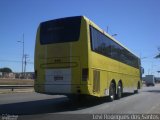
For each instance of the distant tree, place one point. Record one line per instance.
(158, 56)
(6, 69)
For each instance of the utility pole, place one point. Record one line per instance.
(25, 63)
(108, 32)
(22, 41)
(107, 28)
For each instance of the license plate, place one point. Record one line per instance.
(58, 77)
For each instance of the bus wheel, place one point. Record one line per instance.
(138, 87)
(119, 91)
(136, 91)
(112, 91)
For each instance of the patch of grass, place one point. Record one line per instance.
(8, 81)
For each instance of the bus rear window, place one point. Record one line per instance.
(60, 30)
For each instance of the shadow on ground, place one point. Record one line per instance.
(50, 106)
(153, 91)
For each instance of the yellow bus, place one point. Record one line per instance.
(73, 56)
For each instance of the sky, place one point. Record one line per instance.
(136, 23)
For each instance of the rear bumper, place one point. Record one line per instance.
(62, 89)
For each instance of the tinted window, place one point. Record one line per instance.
(105, 46)
(60, 30)
(115, 50)
(100, 43)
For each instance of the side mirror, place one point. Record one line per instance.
(142, 70)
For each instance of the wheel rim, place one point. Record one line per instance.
(112, 91)
(119, 91)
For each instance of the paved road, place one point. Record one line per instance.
(46, 106)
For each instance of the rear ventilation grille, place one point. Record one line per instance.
(96, 81)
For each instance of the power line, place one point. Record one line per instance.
(15, 61)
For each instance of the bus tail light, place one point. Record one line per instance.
(84, 74)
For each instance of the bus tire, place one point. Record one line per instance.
(119, 91)
(136, 91)
(112, 91)
(138, 87)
